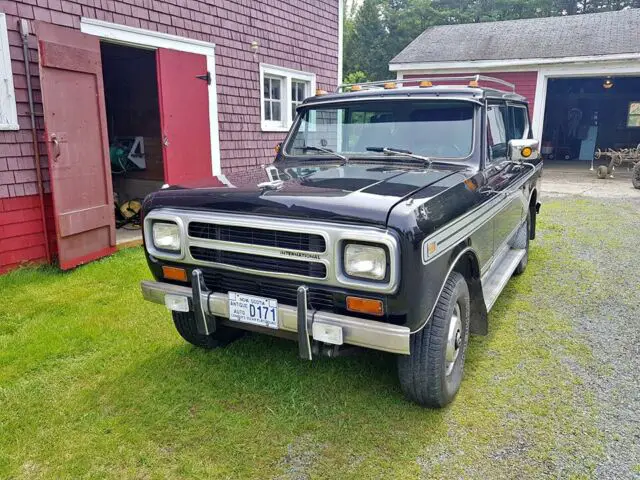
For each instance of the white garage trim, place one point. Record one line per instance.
(594, 69)
(140, 37)
(521, 64)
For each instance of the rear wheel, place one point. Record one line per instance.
(185, 323)
(431, 374)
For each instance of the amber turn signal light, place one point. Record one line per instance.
(174, 273)
(365, 305)
(526, 152)
(389, 85)
(425, 83)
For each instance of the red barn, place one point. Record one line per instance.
(127, 95)
(580, 73)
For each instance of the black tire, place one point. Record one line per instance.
(635, 175)
(185, 323)
(602, 171)
(522, 265)
(426, 376)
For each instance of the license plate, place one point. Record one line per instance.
(259, 311)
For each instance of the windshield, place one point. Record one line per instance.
(432, 128)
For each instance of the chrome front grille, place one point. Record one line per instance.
(305, 242)
(252, 261)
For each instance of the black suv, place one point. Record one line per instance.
(391, 219)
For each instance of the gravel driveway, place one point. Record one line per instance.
(602, 233)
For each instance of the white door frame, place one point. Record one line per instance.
(139, 37)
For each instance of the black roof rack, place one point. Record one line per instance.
(474, 81)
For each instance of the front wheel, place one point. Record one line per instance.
(185, 323)
(431, 374)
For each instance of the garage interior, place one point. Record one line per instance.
(133, 120)
(586, 114)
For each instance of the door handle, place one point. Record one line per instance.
(56, 147)
(165, 141)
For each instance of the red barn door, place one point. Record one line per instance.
(184, 116)
(77, 144)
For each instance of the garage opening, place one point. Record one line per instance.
(133, 122)
(583, 115)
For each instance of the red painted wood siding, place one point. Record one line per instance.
(525, 82)
(297, 34)
(21, 233)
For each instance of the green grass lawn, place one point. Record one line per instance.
(96, 383)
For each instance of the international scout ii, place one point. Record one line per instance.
(391, 219)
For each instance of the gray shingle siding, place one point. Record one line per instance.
(554, 37)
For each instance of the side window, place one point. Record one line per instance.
(497, 132)
(282, 90)
(519, 122)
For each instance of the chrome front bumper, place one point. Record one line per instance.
(355, 331)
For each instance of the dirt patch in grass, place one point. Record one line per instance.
(95, 382)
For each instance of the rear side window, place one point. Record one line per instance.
(519, 122)
(497, 121)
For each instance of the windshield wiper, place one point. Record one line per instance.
(399, 151)
(325, 150)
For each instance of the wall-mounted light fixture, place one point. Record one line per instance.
(254, 47)
(608, 83)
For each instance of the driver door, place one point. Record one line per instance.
(500, 177)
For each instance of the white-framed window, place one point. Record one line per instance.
(8, 112)
(282, 90)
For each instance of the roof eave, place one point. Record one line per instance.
(475, 65)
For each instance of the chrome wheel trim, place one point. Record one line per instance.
(454, 340)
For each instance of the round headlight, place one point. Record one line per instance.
(166, 236)
(365, 261)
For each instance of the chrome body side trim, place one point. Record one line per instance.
(335, 238)
(357, 331)
(462, 227)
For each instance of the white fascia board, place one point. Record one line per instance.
(512, 65)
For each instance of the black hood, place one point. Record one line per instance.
(355, 192)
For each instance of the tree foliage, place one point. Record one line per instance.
(379, 29)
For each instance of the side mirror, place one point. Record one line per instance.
(523, 150)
